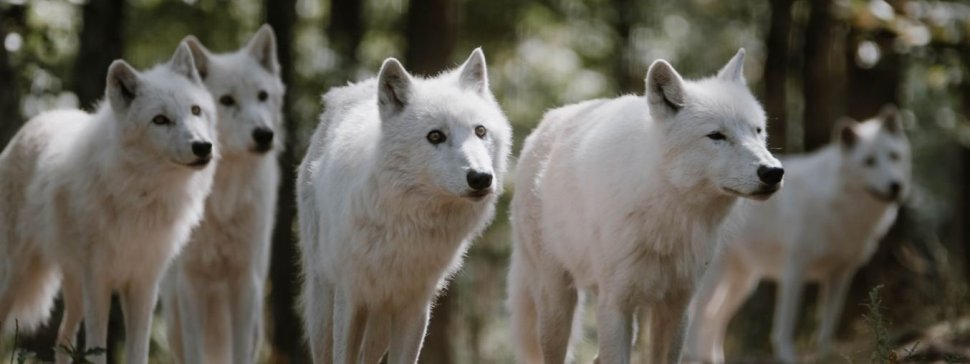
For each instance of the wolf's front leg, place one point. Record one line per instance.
(191, 301)
(614, 329)
(831, 299)
(786, 311)
(318, 310)
(667, 327)
(377, 337)
(408, 327)
(349, 318)
(245, 306)
(73, 313)
(97, 302)
(137, 304)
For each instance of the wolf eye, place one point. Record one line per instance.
(893, 156)
(758, 130)
(161, 120)
(262, 95)
(870, 161)
(716, 136)
(227, 100)
(196, 110)
(480, 131)
(436, 137)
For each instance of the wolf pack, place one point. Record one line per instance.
(667, 205)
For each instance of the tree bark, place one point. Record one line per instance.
(346, 30)
(624, 69)
(776, 74)
(820, 82)
(101, 43)
(286, 334)
(430, 30)
(10, 118)
(430, 33)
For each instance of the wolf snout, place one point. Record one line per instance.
(479, 180)
(770, 175)
(202, 149)
(263, 138)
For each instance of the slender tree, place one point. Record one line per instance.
(624, 15)
(10, 118)
(346, 30)
(776, 73)
(820, 82)
(286, 336)
(101, 43)
(430, 35)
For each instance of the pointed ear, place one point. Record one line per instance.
(393, 87)
(122, 85)
(184, 64)
(891, 120)
(845, 133)
(200, 54)
(474, 73)
(665, 88)
(734, 70)
(263, 48)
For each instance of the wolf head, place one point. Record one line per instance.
(715, 131)
(443, 135)
(876, 154)
(247, 87)
(164, 112)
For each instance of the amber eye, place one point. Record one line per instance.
(870, 161)
(196, 110)
(436, 137)
(480, 131)
(161, 120)
(893, 156)
(716, 136)
(262, 95)
(227, 100)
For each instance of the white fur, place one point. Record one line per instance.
(385, 216)
(624, 198)
(822, 227)
(104, 200)
(214, 292)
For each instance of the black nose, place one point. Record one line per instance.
(263, 137)
(894, 189)
(201, 149)
(770, 175)
(478, 180)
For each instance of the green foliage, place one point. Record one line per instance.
(879, 329)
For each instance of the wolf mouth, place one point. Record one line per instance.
(761, 194)
(478, 195)
(199, 163)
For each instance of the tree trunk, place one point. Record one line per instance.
(346, 30)
(10, 118)
(624, 12)
(430, 31)
(776, 74)
(101, 43)
(286, 332)
(820, 79)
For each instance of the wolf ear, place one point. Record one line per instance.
(891, 120)
(734, 70)
(200, 54)
(122, 85)
(393, 87)
(263, 48)
(184, 64)
(845, 133)
(474, 73)
(665, 87)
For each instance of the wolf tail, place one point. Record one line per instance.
(27, 295)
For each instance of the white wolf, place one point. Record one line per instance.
(104, 201)
(624, 197)
(213, 294)
(837, 203)
(401, 175)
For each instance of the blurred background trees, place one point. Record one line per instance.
(810, 61)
